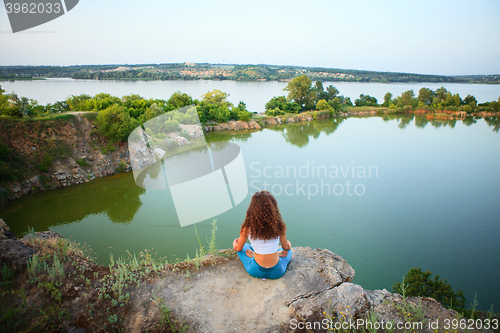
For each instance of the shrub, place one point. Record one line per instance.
(418, 283)
(82, 162)
(115, 123)
(45, 163)
(244, 115)
(171, 125)
(275, 112)
(122, 167)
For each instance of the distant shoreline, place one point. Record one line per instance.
(233, 72)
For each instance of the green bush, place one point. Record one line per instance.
(122, 167)
(275, 112)
(45, 163)
(418, 283)
(82, 162)
(408, 108)
(115, 123)
(171, 126)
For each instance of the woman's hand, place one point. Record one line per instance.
(235, 242)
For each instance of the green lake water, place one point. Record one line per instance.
(423, 194)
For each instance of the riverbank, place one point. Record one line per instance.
(49, 283)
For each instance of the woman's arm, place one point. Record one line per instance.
(238, 243)
(285, 244)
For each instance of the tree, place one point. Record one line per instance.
(366, 100)
(57, 107)
(179, 100)
(242, 112)
(216, 97)
(78, 103)
(300, 91)
(470, 100)
(283, 104)
(426, 96)
(153, 111)
(323, 105)
(387, 100)
(115, 123)
(319, 91)
(457, 101)
(418, 283)
(407, 98)
(220, 114)
(331, 92)
(441, 93)
(3, 100)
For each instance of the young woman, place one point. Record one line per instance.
(265, 229)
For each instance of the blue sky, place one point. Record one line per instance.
(429, 37)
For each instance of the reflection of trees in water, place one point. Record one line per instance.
(493, 122)
(123, 211)
(298, 134)
(421, 122)
(238, 136)
(404, 122)
(469, 121)
(117, 196)
(217, 146)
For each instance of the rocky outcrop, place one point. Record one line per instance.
(68, 172)
(232, 125)
(314, 294)
(85, 162)
(16, 253)
(5, 232)
(316, 287)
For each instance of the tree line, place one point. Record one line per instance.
(237, 72)
(117, 117)
(303, 95)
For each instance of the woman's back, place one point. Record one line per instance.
(265, 246)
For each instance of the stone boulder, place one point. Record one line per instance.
(5, 232)
(14, 253)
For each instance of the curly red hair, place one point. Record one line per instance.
(263, 220)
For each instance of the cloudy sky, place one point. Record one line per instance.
(417, 36)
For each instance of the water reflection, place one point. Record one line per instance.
(298, 134)
(117, 196)
(421, 121)
(493, 122)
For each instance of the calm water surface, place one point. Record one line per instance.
(254, 94)
(423, 194)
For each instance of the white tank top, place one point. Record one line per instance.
(265, 247)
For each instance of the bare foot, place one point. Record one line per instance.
(283, 253)
(249, 253)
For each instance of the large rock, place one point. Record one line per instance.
(224, 298)
(15, 253)
(5, 232)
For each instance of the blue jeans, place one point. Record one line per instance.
(256, 270)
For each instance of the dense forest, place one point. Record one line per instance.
(192, 71)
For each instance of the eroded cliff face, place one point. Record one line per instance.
(316, 293)
(77, 154)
